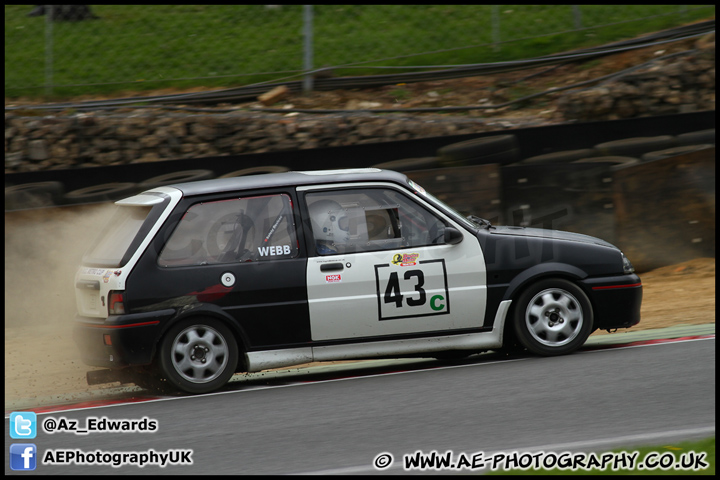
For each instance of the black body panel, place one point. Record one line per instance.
(616, 300)
(263, 292)
(517, 257)
(133, 338)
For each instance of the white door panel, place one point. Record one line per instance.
(382, 269)
(443, 289)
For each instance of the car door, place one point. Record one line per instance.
(381, 267)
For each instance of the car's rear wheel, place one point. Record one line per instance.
(198, 355)
(553, 317)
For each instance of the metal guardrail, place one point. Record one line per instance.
(251, 92)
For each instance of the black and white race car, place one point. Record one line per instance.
(193, 282)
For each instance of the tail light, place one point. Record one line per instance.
(116, 306)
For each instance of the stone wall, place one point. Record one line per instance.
(70, 140)
(99, 138)
(680, 84)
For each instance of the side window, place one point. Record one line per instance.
(365, 220)
(228, 231)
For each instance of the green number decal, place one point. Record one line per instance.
(434, 300)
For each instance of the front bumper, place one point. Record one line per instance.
(133, 338)
(616, 300)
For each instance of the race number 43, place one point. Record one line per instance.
(413, 292)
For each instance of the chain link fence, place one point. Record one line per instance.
(65, 50)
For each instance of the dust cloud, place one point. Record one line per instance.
(43, 248)
(42, 251)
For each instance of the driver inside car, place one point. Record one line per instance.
(330, 225)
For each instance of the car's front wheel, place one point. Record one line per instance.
(198, 355)
(553, 317)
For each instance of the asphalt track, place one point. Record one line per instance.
(620, 390)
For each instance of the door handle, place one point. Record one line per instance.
(331, 267)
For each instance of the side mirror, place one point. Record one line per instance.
(452, 236)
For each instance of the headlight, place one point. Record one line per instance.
(627, 266)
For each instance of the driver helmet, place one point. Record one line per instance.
(330, 224)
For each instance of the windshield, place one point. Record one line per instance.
(457, 216)
(112, 244)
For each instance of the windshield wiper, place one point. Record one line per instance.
(480, 221)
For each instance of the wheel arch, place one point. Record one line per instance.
(541, 272)
(211, 311)
(527, 278)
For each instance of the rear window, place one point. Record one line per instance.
(114, 242)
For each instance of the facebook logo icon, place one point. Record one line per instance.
(23, 456)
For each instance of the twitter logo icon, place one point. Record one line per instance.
(23, 425)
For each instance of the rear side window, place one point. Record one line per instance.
(239, 230)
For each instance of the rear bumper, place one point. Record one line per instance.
(616, 300)
(132, 338)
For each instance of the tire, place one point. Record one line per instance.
(635, 147)
(560, 157)
(616, 163)
(505, 157)
(673, 152)
(176, 177)
(502, 149)
(33, 195)
(552, 317)
(198, 355)
(695, 138)
(101, 193)
(256, 171)
(409, 164)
